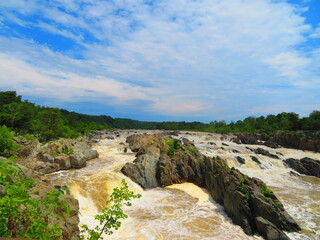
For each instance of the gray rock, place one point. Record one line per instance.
(265, 153)
(241, 160)
(255, 159)
(269, 230)
(307, 166)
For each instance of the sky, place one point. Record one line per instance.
(163, 60)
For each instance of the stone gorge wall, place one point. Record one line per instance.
(161, 161)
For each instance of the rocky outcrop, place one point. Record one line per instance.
(305, 166)
(62, 154)
(304, 140)
(246, 139)
(255, 159)
(241, 160)
(162, 161)
(265, 153)
(298, 140)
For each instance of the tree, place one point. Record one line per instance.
(9, 97)
(49, 125)
(7, 144)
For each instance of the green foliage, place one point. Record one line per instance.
(243, 188)
(23, 216)
(67, 151)
(110, 217)
(265, 190)
(227, 168)
(215, 171)
(174, 145)
(191, 150)
(7, 144)
(9, 97)
(277, 204)
(247, 195)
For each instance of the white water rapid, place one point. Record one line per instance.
(185, 211)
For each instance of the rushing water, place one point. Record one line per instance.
(185, 211)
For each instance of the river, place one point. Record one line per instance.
(185, 211)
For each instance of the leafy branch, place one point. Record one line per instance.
(110, 217)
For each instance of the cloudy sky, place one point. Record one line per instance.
(164, 59)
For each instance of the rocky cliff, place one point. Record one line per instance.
(162, 161)
(304, 140)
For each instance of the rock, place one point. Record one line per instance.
(292, 173)
(63, 162)
(246, 139)
(271, 144)
(235, 151)
(241, 160)
(271, 232)
(77, 160)
(304, 140)
(144, 172)
(62, 154)
(305, 166)
(224, 144)
(239, 194)
(223, 138)
(236, 140)
(212, 143)
(255, 159)
(265, 153)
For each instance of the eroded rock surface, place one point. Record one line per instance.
(162, 161)
(62, 154)
(305, 165)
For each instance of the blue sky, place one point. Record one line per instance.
(164, 60)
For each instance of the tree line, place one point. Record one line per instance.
(48, 123)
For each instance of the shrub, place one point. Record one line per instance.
(174, 145)
(25, 217)
(7, 144)
(277, 204)
(265, 190)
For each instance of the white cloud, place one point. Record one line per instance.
(316, 32)
(289, 64)
(183, 57)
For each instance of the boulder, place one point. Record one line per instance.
(246, 139)
(307, 166)
(270, 230)
(265, 153)
(255, 159)
(241, 160)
